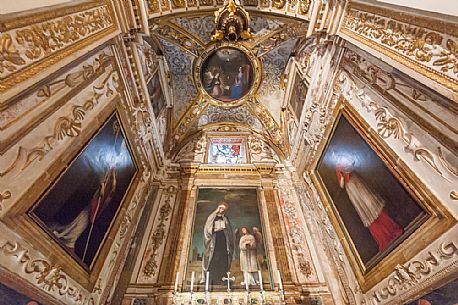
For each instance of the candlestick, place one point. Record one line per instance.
(260, 279)
(280, 283)
(176, 281)
(192, 280)
(206, 281)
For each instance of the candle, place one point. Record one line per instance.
(280, 284)
(192, 280)
(176, 281)
(246, 285)
(260, 279)
(206, 281)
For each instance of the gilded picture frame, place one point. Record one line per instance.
(19, 217)
(199, 69)
(266, 267)
(421, 232)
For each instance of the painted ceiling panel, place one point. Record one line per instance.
(201, 26)
(242, 115)
(186, 37)
(274, 64)
(180, 63)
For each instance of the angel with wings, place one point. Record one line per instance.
(249, 264)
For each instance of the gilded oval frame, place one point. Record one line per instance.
(255, 63)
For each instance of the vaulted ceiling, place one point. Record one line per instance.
(184, 37)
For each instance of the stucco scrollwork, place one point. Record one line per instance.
(151, 257)
(46, 275)
(26, 48)
(429, 52)
(66, 126)
(296, 234)
(406, 277)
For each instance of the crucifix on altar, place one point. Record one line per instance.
(229, 280)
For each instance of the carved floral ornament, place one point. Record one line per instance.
(45, 275)
(296, 8)
(422, 48)
(26, 50)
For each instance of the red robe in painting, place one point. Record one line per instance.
(370, 208)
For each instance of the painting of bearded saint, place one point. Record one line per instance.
(80, 207)
(227, 237)
(374, 208)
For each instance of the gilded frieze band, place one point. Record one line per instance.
(28, 49)
(419, 43)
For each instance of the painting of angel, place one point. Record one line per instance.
(374, 208)
(227, 237)
(227, 74)
(79, 209)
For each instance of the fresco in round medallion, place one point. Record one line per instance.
(227, 74)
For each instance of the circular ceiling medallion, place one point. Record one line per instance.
(227, 74)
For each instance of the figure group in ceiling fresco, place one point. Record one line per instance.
(227, 74)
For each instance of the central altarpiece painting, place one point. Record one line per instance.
(227, 236)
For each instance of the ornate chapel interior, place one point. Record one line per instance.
(194, 152)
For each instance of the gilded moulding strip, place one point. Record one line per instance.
(13, 20)
(440, 78)
(441, 26)
(34, 68)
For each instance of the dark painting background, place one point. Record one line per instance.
(298, 95)
(243, 211)
(9, 296)
(347, 143)
(155, 93)
(445, 295)
(74, 190)
(228, 61)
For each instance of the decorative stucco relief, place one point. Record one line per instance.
(109, 276)
(295, 8)
(411, 277)
(241, 115)
(28, 49)
(194, 150)
(317, 217)
(423, 48)
(294, 227)
(260, 151)
(40, 271)
(23, 112)
(148, 59)
(149, 269)
(434, 113)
